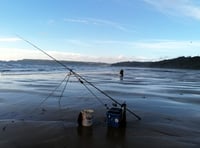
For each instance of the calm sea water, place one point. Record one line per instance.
(167, 91)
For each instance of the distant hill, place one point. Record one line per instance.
(51, 62)
(178, 63)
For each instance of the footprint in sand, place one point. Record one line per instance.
(4, 128)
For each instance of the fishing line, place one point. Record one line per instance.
(59, 100)
(95, 96)
(79, 77)
(50, 94)
(61, 95)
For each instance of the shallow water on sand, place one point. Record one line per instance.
(167, 100)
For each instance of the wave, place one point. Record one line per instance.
(41, 66)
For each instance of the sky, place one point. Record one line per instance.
(99, 30)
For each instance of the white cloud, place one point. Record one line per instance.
(16, 54)
(167, 48)
(9, 39)
(165, 44)
(187, 8)
(99, 22)
(192, 11)
(84, 21)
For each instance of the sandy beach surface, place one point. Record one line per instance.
(167, 101)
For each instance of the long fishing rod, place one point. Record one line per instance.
(79, 77)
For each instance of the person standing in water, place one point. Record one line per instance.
(121, 73)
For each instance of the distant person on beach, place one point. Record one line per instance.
(121, 73)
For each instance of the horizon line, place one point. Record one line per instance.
(94, 61)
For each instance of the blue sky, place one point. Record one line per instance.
(100, 30)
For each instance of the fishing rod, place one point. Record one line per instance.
(79, 77)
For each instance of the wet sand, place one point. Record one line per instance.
(169, 120)
(50, 127)
(18, 133)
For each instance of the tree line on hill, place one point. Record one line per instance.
(178, 63)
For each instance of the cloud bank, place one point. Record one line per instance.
(138, 51)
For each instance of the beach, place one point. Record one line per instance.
(167, 101)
